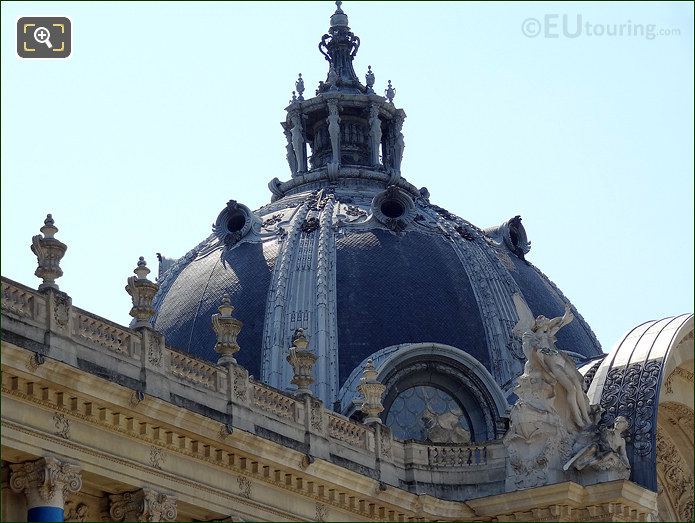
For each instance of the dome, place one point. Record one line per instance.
(355, 255)
(330, 261)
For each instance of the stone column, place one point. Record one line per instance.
(45, 483)
(142, 505)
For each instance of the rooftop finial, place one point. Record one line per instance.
(142, 292)
(390, 93)
(49, 251)
(369, 77)
(299, 84)
(338, 3)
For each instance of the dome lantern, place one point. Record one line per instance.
(346, 127)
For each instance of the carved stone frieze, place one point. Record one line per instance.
(675, 476)
(678, 372)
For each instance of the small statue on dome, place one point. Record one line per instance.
(299, 84)
(390, 93)
(370, 78)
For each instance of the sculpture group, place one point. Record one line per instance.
(555, 434)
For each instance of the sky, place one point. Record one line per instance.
(165, 111)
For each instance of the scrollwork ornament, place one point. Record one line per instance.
(45, 481)
(75, 511)
(244, 484)
(154, 352)
(62, 425)
(156, 457)
(320, 512)
(61, 309)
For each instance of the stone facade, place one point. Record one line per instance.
(282, 456)
(477, 407)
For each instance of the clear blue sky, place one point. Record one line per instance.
(165, 111)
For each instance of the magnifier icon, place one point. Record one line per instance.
(42, 35)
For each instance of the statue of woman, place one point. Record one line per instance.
(291, 158)
(298, 143)
(538, 342)
(374, 134)
(334, 130)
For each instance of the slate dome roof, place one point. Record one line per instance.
(322, 260)
(354, 254)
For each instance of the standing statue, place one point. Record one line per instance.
(374, 134)
(291, 158)
(334, 131)
(332, 79)
(538, 343)
(298, 142)
(398, 144)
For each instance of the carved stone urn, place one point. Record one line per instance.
(302, 361)
(142, 292)
(227, 329)
(49, 251)
(372, 391)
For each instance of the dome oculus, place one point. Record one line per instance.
(394, 208)
(233, 223)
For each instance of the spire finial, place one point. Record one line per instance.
(338, 3)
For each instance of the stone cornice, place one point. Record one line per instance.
(240, 451)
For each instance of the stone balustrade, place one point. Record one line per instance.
(457, 455)
(271, 400)
(101, 334)
(195, 371)
(123, 355)
(20, 301)
(347, 431)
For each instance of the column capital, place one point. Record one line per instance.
(46, 481)
(142, 505)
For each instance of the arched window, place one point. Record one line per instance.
(434, 393)
(428, 413)
(439, 400)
